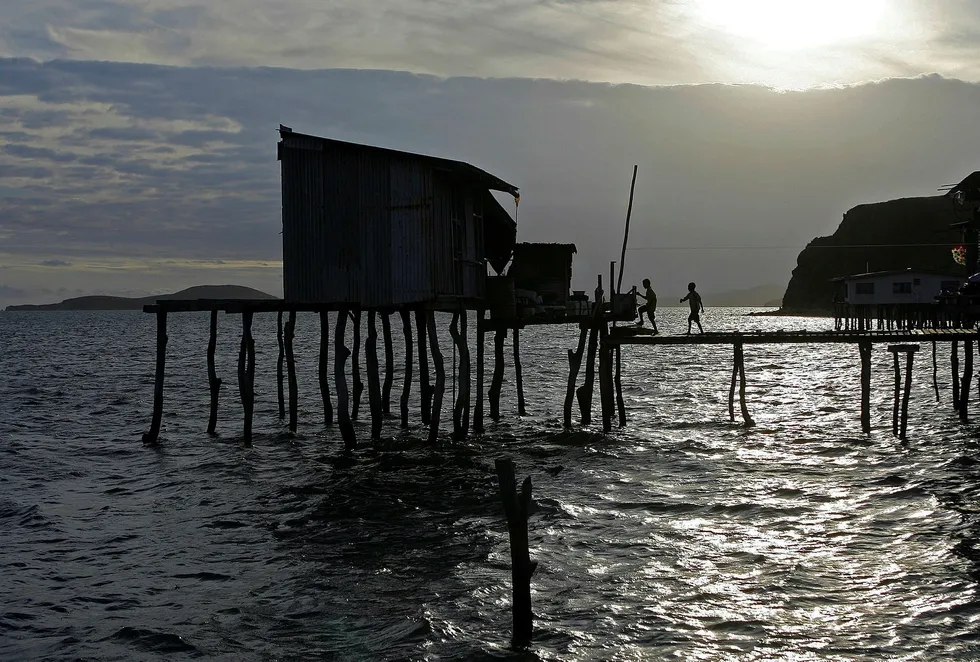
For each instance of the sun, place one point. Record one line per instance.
(793, 24)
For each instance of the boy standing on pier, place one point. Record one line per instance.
(696, 308)
(650, 308)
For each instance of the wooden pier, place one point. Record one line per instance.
(597, 356)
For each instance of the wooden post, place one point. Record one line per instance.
(323, 368)
(864, 347)
(516, 510)
(457, 410)
(574, 363)
(389, 365)
(741, 386)
(213, 381)
(497, 381)
(425, 390)
(954, 366)
(373, 375)
(606, 398)
(935, 371)
(585, 391)
(967, 378)
(357, 386)
(279, 368)
(152, 436)
(461, 408)
(480, 360)
(731, 390)
(519, 373)
(440, 385)
(909, 357)
(407, 385)
(898, 385)
(620, 403)
(626, 236)
(291, 371)
(340, 354)
(246, 373)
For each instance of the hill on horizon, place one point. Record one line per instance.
(98, 302)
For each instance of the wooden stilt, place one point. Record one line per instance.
(898, 388)
(519, 374)
(480, 369)
(954, 366)
(461, 408)
(620, 403)
(425, 390)
(440, 385)
(909, 358)
(389, 365)
(731, 390)
(516, 510)
(864, 347)
(741, 387)
(340, 354)
(935, 371)
(291, 371)
(323, 367)
(213, 381)
(279, 368)
(373, 376)
(574, 363)
(246, 373)
(157, 416)
(357, 386)
(464, 373)
(497, 381)
(407, 385)
(457, 405)
(584, 392)
(606, 397)
(967, 379)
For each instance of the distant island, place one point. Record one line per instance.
(137, 303)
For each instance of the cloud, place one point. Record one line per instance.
(55, 263)
(640, 41)
(137, 164)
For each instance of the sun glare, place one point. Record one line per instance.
(793, 24)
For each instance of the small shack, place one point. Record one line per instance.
(379, 228)
(545, 270)
(896, 287)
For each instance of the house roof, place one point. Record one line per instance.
(465, 170)
(896, 272)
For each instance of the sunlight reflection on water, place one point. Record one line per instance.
(682, 536)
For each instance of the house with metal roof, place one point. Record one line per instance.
(901, 286)
(380, 228)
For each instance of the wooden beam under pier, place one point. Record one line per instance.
(291, 371)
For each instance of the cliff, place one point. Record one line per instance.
(874, 237)
(137, 303)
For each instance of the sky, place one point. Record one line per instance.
(137, 137)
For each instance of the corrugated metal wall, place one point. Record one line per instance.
(362, 227)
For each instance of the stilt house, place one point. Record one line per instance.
(379, 228)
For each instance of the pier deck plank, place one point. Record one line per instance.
(622, 336)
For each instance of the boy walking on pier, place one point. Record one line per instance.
(696, 308)
(650, 308)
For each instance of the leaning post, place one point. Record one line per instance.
(151, 436)
(213, 381)
(516, 510)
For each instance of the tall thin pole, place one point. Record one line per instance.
(626, 236)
